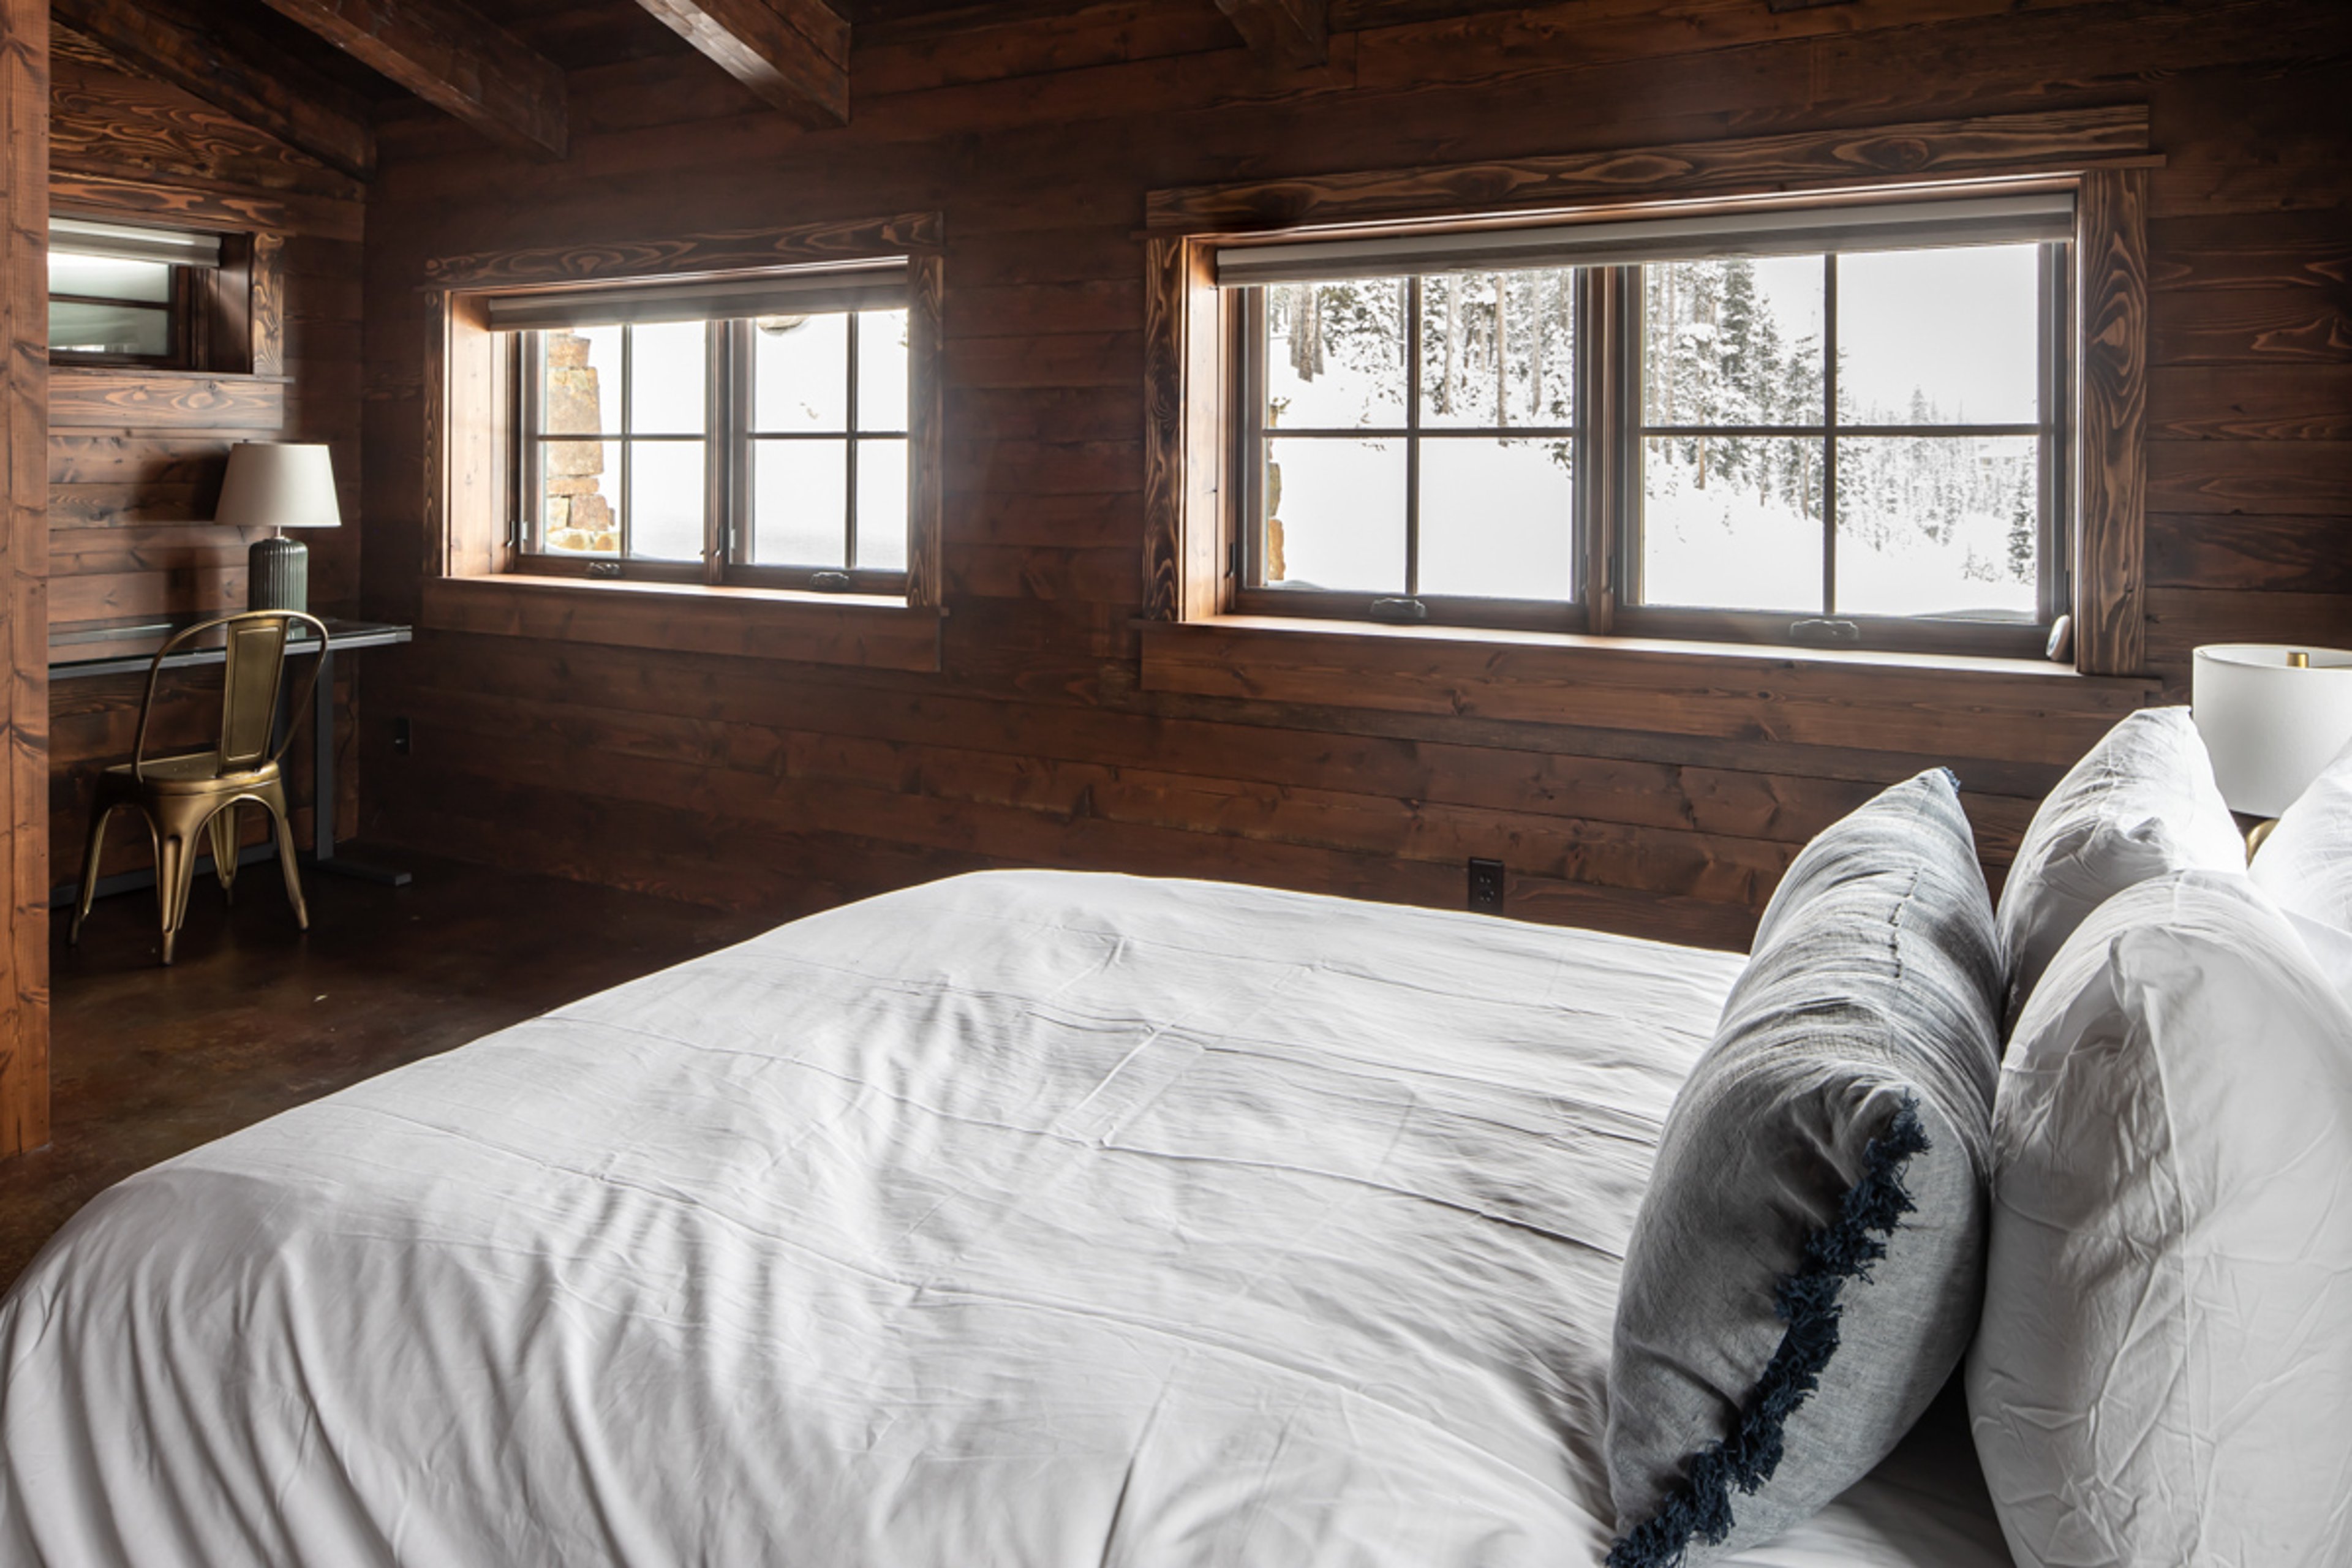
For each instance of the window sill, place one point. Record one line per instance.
(678, 617)
(1922, 704)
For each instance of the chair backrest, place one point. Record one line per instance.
(254, 644)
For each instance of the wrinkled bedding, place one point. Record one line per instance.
(1023, 1219)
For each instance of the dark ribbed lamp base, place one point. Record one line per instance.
(277, 575)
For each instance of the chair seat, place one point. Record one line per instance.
(195, 770)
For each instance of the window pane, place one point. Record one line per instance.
(1497, 348)
(1939, 337)
(882, 370)
(1939, 525)
(800, 502)
(581, 479)
(1732, 522)
(882, 505)
(110, 279)
(665, 500)
(799, 372)
(75, 328)
(666, 363)
(1496, 517)
(582, 392)
(1335, 354)
(1733, 340)
(1335, 515)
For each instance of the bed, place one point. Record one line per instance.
(1023, 1219)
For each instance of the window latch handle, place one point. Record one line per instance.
(604, 568)
(1402, 610)
(1825, 631)
(830, 582)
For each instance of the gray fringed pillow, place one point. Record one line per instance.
(1806, 1266)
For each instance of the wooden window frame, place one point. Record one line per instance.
(1193, 569)
(730, 442)
(480, 578)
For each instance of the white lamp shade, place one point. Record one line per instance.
(275, 484)
(2269, 725)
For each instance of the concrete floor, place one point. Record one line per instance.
(255, 1017)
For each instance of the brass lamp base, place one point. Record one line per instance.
(277, 574)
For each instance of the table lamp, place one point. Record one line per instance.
(2273, 716)
(277, 486)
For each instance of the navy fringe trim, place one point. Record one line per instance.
(1807, 1302)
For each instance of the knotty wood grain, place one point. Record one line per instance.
(2111, 271)
(236, 71)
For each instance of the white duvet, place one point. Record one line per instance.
(1023, 1218)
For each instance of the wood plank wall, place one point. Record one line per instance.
(769, 785)
(23, 674)
(133, 480)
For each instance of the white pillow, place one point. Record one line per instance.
(2163, 1373)
(2141, 805)
(2306, 862)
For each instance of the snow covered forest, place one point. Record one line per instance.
(1733, 404)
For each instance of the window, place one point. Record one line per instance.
(125, 295)
(753, 434)
(1843, 424)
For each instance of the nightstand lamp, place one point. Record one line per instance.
(277, 485)
(2273, 716)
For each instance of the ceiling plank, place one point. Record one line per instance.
(454, 59)
(236, 72)
(794, 53)
(1294, 31)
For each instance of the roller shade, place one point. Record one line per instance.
(1784, 231)
(128, 242)
(862, 286)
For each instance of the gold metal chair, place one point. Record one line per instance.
(198, 791)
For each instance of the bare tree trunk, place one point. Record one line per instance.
(1502, 348)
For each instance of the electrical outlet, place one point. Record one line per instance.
(1487, 885)
(400, 737)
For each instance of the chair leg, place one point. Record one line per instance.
(175, 874)
(89, 855)
(273, 801)
(222, 830)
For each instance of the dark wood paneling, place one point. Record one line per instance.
(236, 71)
(135, 457)
(1662, 803)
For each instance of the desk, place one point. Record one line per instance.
(78, 648)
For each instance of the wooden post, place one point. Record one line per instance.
(23, 575)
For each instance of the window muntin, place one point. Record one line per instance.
(754, 449)
(1390, 415)
(1863, 446)
(1854, 436)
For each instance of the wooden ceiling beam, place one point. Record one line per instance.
(794, 53)
(1295, 32)
(236, 72)
(454, 59)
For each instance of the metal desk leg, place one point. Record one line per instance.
(322, 786)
